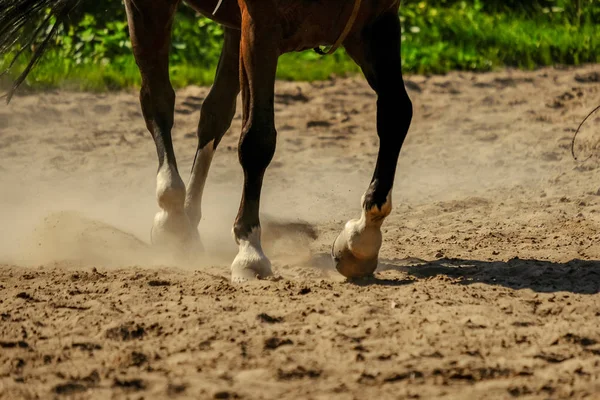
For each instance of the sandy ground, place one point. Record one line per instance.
(487, 286)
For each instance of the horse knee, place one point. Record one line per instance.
(216, 115)
(257, 146)
(158, 107)
(394, 101)
(394, 116)
(406, 109)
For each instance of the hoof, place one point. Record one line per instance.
(173, 233)
(348, 264)
(250, 264)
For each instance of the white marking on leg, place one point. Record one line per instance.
(376, 215)
(195, 190)
(250, 261)
(217, 7)
(170, 189)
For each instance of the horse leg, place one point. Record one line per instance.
(261, 34)
(216, 115)
(150, 25)
(377, 51)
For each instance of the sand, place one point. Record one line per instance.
(488, 283)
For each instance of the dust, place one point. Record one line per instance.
(46, 221)
(69, 219)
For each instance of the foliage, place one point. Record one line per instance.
(475, 37)
(93, 50)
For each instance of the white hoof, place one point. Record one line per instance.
(356, 249)
(250, 262)
(173, 233)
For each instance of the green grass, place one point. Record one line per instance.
(53, 72)
(435, 40)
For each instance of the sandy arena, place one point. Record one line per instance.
(488, 284)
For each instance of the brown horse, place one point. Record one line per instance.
(257, 32)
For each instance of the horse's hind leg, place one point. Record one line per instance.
(215, 118)
(377, 51)
(150, 30)
(261, 34)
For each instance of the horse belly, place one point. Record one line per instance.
(228, 13)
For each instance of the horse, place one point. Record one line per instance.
(256, 33)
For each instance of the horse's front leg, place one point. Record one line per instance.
(150, 30)
(259, 52)
(377, 51)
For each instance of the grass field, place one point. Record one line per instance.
(435, 40)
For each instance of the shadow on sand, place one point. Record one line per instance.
(575, 276)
